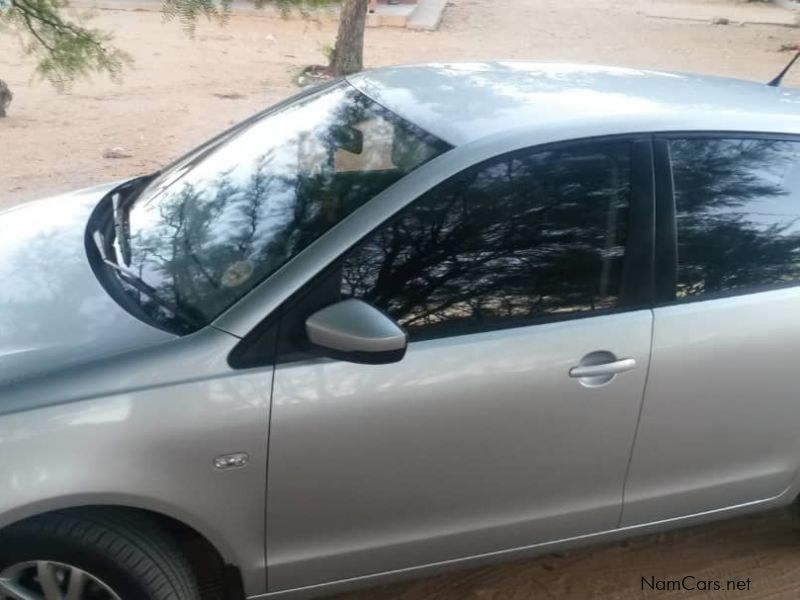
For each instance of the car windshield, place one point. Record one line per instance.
(217, 223)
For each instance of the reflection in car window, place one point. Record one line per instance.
(738, 214)
(207, 231)
(524, 236)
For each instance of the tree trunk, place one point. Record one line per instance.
(348, 55)
(5, 97)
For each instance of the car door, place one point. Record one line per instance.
(523, 285)
(719, 421)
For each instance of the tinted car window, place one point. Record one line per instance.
(738, 214)
(527, 235)
(215, 225)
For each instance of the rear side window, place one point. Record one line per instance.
(529, 235)
(737, 203)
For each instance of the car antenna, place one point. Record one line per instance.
(777, 81)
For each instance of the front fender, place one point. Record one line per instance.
(142, 431)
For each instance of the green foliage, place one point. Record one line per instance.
(188, 12)
(66, 49)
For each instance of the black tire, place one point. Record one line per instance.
(126, 550)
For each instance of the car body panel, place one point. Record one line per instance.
(500, 96)
(142, 430)
(719, 421)
(525, 552)
(469, 445)
(54, 313)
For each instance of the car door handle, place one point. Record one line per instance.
(610, 368)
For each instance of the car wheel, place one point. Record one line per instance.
(92, 554)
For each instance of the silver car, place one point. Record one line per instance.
(421, 318)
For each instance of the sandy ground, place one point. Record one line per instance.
(181, 91)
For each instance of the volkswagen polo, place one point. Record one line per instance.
(419, 318)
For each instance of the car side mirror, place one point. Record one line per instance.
(354, 331)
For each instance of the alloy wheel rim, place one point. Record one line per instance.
(49, 580)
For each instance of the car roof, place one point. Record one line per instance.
(465, 102)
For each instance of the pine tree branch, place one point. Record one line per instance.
(32, 30)
(66, 49)
(60, 26)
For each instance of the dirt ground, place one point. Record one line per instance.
(181, 91)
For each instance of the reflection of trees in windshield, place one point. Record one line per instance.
(738, 213)
(235, 217)
(523, 237)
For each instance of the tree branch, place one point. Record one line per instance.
(66, 49)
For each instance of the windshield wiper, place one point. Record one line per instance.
(100, 243)
(135, 280)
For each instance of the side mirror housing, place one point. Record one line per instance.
(354, 331)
